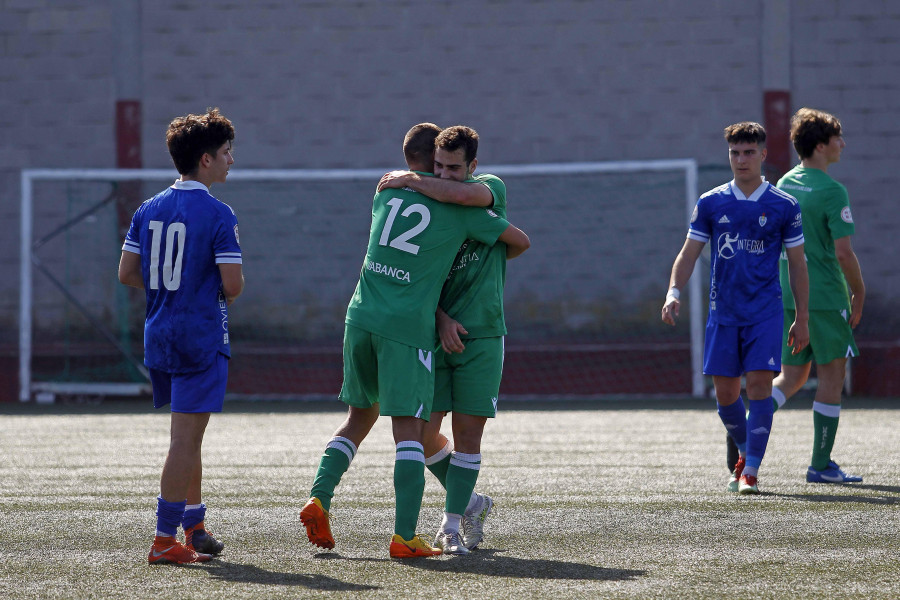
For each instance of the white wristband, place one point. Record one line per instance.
(674, 294)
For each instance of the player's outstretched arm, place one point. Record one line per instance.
(681, 273)
(130, 269)
(516, 241)
(798, 334)
(846, 257)
(232, 280)
(443, 190)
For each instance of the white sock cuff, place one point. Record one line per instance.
(409, 450)
(466, 461)
(344, 445)
(779, 396)
(440, 454)
(829, 410)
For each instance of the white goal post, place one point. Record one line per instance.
(28, 260)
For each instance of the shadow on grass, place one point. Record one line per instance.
(238, 573)
(491, 562)
(892, 494)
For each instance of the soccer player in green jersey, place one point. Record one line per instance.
(389, 339)
(470, 359)
(833, 266)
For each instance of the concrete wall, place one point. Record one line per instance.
(333, 84)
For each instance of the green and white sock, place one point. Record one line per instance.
(339, 453)
(409, 485)
(778, 398)
(439, 462)
(825, 424)
(461, 478)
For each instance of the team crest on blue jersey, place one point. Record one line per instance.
(762, 220)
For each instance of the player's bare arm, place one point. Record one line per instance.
(849, 264)
(442, 190)
(798, 334)
(449, 330)
(130, 270)
(232, 281)
(516, 241)
(681, 273)
(394, 180)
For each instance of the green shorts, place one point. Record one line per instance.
(381, 371)
(830, 337)
(469, 382)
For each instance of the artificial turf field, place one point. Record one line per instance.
(601, 500)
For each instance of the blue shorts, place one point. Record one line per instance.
(732, 350)
(197, 392)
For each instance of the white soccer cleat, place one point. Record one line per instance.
(472, 525)
(450, 543)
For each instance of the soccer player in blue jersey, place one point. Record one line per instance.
(182, 249)
(746, 221)
(833, 268)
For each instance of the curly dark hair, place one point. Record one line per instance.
(459, 136)
(191, 136)
(811, 127)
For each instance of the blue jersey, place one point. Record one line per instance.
(182, 235)
(745, 236)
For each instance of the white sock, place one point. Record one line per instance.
(474, 500)
(450, 524)
(779, 396)
(829, 410)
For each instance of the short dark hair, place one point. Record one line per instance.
(748, 132)
(811, 127)
(459, 136)
(418, 144)
(191, 136)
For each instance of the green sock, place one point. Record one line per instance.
(409, 485)
(439, 463)
(825, 424)
(778, 398)
(461, 477)
(335, 461)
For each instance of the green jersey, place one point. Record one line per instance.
(825, 207)
(473, 293)
(412, 243)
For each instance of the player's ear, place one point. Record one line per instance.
(473, 165)
(764, 152)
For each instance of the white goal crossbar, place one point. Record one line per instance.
(29, 176)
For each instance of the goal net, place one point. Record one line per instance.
(582, 304)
